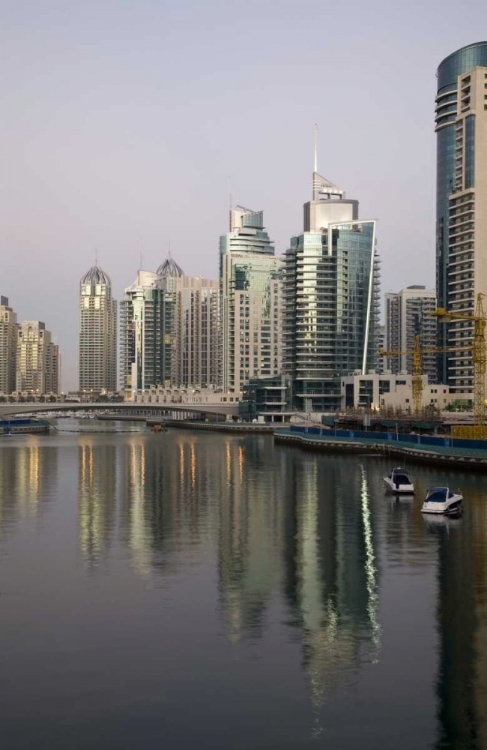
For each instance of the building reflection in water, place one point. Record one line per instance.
(462, 614)
(163, 500)
(96, 498)
(27, 473)
(332, 570)
(294, 522)
(250, 535)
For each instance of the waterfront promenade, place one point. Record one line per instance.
(443, 451)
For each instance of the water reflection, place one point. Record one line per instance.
(27, 475)
(96, 499)
(263, 553)
(462, 581)
(164, 500)
(332, 570)
(250, 535)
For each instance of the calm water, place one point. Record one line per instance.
(201, 590)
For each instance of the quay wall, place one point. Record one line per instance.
(454, 453)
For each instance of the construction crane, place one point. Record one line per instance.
(417, 369)
(417, 376)
(478, 355)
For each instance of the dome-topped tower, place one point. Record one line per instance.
(170, 268)
(96, 275)
(98, 333)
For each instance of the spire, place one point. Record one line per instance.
(316, 148)
(322, 186)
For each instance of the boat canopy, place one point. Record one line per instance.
(439, 494)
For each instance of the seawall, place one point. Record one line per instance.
(458, 456)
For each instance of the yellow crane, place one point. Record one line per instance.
(417, 376)
(478, 358)
(417, 370)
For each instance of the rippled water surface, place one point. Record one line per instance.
(193, 590)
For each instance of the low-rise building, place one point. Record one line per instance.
(380, 391)
(266, 399)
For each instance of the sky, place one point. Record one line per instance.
(124, 126)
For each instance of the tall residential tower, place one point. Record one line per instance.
(147, 319)
(408, 313)
(8, 346)
(98, 334)
(250, 295)
(461, 200)
(330, 298)
(37, 360)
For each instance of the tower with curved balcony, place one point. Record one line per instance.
(461, 203)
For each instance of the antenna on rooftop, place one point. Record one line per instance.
(316, 148)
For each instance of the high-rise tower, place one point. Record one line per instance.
(37, 360)
(461, 200)
(250, 294)
(147, 328)
(196, 333)
(98, 334)
(8, 346)
(330, 298)
(408, 313)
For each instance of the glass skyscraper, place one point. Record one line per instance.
(461, 200)
(330, 299)
(250, 295)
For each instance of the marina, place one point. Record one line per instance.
(174, 580)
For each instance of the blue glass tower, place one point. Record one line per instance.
(461, 109)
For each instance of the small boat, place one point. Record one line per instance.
(442, 500)
(399, 481)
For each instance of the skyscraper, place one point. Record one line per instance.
(408, 313)
(147, 328)
(98, 333)
(8, 346)
(37, 360)
(461, 198)
(330, 298)
(196, 333)
(250, 294)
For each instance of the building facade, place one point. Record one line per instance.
(330, 299)
(147, 319)
(408, 313)
(8, 347)
(461, 198)
(98, 334)
(250, 301)
(196, 333)
(37, 360)
(375, 391)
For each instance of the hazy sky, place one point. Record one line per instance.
(122, 121)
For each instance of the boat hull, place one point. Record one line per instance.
(402, 489)
(453, 508)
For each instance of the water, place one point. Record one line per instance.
(193, 590)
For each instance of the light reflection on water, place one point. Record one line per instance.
(194, 588)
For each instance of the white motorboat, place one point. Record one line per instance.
(399, 482)
(442, 500)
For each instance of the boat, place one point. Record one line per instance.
(442, 500)
(399, 481)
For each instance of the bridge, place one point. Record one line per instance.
(138, 409)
